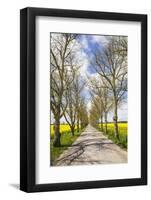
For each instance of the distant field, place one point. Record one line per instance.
(64, 128)
(122, 128)
(123, 133)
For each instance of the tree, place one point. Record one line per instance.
(71, 110)
(62, 47)
(110, 63)
(73, 93)
(96, 112)
(79, 85)
(70, 113)
(83, 113)
(101, 99)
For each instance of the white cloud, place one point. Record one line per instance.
(99, 39)
(89, 106)
(84, 63)
(122, 113)
(84, 41)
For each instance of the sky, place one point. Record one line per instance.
(88, 43)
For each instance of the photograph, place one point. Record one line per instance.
(88, 99)
(83, 99)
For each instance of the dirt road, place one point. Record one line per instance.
(92, 147)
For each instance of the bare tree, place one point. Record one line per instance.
(73, 97)
(96, 112)
(79, 85)
(110, 63)
(101, 99)
(70, 113)
(61, 48)
(83, 113)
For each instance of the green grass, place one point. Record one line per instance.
(123, 134)
(66, 140)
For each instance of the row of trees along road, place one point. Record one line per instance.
(108, 89)
(66, 84)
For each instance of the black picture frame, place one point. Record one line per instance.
(28, 99)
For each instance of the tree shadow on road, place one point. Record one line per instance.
(76, 150)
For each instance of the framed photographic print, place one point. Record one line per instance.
(83, 99)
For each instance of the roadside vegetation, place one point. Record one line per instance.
(64, 129)
(123, 133)
(67, 140)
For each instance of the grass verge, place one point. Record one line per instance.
(66, 141)
(123, 134)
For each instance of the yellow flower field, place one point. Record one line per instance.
(123, 133)
(123, 127)
(64, 128)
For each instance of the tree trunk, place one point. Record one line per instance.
(72, 130)
(115, 119)
(78, 124)
(57, 142)
(105, 123)
(81, 124)
(101, 123)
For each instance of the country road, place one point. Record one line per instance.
(92, 147)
